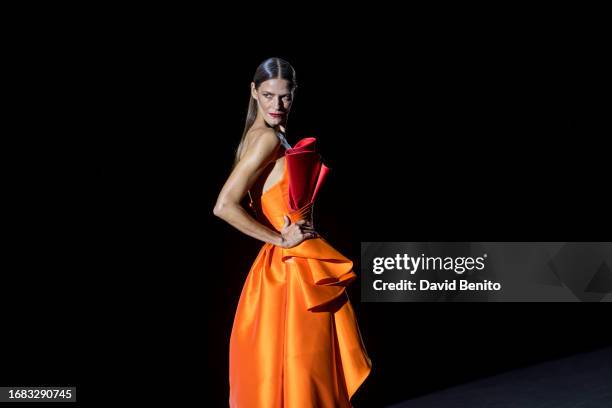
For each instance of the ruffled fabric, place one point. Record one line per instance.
(306, 173)
(327, 272)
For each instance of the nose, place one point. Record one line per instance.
(279, 106)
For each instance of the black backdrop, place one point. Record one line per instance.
(121, 152)
(495, 141)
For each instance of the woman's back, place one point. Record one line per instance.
(273, 173)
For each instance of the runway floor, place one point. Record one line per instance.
(581, 380)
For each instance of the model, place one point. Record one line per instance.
(295, 341)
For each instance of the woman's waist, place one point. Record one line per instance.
(277, 216)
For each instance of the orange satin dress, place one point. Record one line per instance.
(295, 341)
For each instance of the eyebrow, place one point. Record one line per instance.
(287, 94)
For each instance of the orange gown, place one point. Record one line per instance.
(295, 341)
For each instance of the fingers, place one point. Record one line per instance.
(297, 239)
(287, 221)
(298, 222)
(303, 227)
(309, 232)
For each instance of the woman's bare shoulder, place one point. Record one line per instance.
(262, 142)
(262, 134)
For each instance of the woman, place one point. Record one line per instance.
(295, 341)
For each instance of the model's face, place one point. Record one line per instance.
(274, 98)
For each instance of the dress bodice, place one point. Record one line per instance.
(274, 201)
(328, 270)
(295, 193)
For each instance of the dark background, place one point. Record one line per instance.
(124, 134)
(473, 139)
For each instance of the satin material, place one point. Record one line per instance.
(295, 341)
(306, 172)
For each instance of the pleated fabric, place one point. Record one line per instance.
(295, 339)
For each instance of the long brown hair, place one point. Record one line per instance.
(271, 68)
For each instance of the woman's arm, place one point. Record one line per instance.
(258, 155)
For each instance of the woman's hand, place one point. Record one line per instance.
(293, 234)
